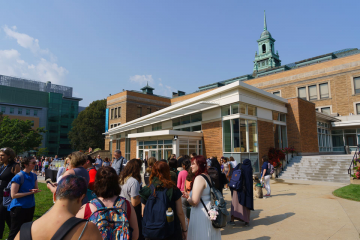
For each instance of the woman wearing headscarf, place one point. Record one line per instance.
(243, 199)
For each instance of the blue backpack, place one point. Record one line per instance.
(155, 224)
(235, 180)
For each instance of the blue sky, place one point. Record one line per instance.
(102, 47)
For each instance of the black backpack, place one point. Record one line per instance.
(215, 178)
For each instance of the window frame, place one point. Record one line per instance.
(353, 85)
(328, 106)
(279, 91)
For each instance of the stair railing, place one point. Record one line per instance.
(355, 157)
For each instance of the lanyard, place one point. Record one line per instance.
(4, 169)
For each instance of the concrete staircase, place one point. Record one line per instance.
(330, 168)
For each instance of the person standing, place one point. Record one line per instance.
(22, 206)
(106, 162)
(9, 168)
(119, 162)
(243, 199)
(98, 162)
(265, 175)
(56, 158)
(200, 227)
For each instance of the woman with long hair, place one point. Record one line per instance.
(129, 181)
(22, 206)
(8, 169)
(160, 181)
(107, 190)
(151, 161)
(200, 226)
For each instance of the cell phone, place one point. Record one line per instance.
(49, 182)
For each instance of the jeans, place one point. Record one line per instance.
(4, 217)
(19, 216)
(267, 184)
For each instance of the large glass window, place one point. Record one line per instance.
(3, 109)
(35, 112)
(11, 110)
(302, 92)
(185, 120)
(253, 142)
(251, 110)
(127, 148)
(234, 108)
(19, 110)
(27, 111)
(324, 90)
(236, 135)
(197, 117)
(312, 92)
(156, 126)
(227, 136)
(357, 85)
(337, 140)
(243, 142)
(242, 108)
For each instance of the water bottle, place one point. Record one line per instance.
(170, 215)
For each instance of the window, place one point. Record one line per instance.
(119, 112)
(32, 123)
(264, 48)
(116, 112)
(111, 126)
(225, 110)
(148, 110)
(112, 114)
(227, 136)
(115, 125)
(357, 85)
(35, 112)
(139, 112)
(11, 110)
(27, 111)
(324, 90)
(157, 126)
(302, 92)
(235, 108)
(3, 109)
(277, 93)
(312, 92)
(19, 110)
(118, 144)
(358, 108)
(127, 148)
(251, 110)
(140, 130)
(326, 110)
(242, 108)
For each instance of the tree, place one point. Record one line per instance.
(42, 152)
(88, 127)
(19, 135)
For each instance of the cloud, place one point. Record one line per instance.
(160, 87)
(41, 69)
(142, 79)
(11, 64)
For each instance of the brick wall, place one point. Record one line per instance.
(301, 126)
(212, 139)
(266, 137)
(187, 96)
(132, 148)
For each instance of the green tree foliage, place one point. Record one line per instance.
(19, 135)
(42, 152)
(88, 127)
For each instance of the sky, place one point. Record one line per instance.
(102, 47)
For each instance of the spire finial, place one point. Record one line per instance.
(265, 26)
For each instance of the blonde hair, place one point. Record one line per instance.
(151, 161)
(77, 159)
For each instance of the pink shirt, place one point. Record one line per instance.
(181, 179)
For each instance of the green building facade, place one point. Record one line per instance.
(53, 105)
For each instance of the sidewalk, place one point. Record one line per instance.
(299, 210)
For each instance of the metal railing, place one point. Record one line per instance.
(355, 157)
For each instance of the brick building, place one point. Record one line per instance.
(312, 105)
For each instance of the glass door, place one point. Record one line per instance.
(150, 153)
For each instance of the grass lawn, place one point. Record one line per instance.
(351, 192)
(43, 201)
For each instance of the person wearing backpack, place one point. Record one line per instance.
(242, 193)
(181, 184)
(114, 216)
(23, 187)
(60, 221)
(163, 216)
(8, 169)
(265, 174)
(200, 227)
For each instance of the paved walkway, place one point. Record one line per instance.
(299, 210)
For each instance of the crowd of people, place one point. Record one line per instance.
(169, 200)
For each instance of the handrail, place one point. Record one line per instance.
(352, 164)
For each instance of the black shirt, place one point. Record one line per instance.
(6, 174)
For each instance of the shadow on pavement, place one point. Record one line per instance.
(283, 194)
(261, 238)
(255, 221)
